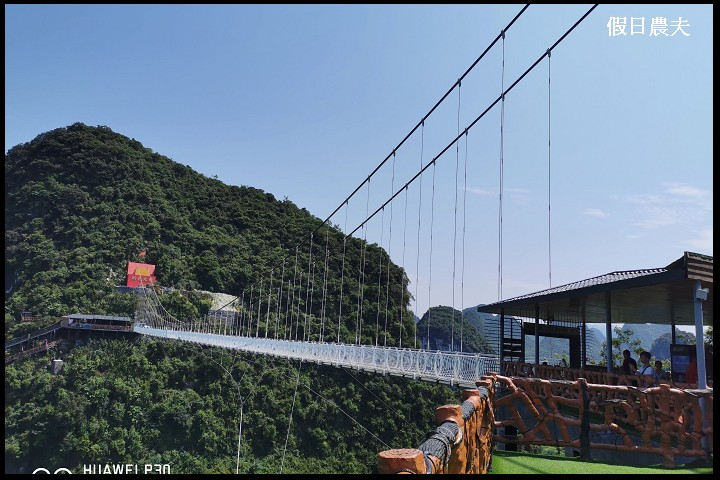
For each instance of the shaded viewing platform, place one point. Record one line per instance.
(593, 412)
(678, 294)
(633, 416)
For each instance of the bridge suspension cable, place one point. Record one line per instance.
(342, 275)
(292, 302)
(387, 288)
(380, 270)
(401, 306)
(308, 297)
(499, 99)
(325, 280)
(457, 167)
(270, 292)
(432, 221)
(417, 263)
(279, 302)
(473, 123)
(462, 275)
(291, 298)
(361, 274)
(425, 117)
(502, 122)
(549, 231)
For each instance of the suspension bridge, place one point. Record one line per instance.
(452, 368)
(349, 297)
(343, 300)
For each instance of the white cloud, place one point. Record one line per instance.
(643, 198)
(679, 204)
(662, 216)
(684, 190)
(634, 236)
(479, 191)
(595, 212)
(703, 243)
(518, 195)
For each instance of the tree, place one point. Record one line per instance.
(562, 358)
(660, 348)
(709, 336)
(621, 341)
(179, 306)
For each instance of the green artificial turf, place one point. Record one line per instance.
(505, 462)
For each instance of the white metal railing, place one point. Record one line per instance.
(452, 368)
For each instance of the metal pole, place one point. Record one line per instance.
(700, 294)
(608, 333)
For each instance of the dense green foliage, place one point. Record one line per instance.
(157, 402)
(80, 202)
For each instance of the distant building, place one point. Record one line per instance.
(95, 322)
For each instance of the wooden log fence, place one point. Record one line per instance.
(566, 413)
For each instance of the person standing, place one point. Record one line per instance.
(646, 370)
(629, 365)
(660, 374)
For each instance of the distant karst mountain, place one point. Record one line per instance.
(447, 333)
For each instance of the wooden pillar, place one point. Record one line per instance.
(402, 460)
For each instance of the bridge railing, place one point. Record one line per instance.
(31, 351)
(33, 335)
(452, 368)
(461, 443)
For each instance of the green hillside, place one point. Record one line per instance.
(80, 202)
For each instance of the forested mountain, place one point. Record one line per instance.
(450, 330)
(661, 345)
(80, 202)
(656, 338)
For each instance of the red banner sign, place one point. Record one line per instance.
(139, 274)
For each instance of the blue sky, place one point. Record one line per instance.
(304, 101)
